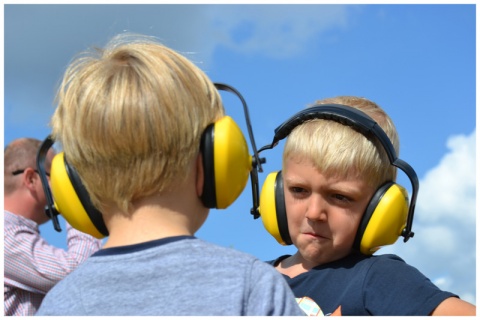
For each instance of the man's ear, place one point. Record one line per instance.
(200, 178)
(29, 178)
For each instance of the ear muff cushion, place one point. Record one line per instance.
(67, 201)
(208, 196)
(384, 219)
(227, 163)
(272, 208)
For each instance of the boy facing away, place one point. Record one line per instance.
(330, 174)
(130, 119)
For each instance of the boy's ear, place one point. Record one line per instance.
(200, 175)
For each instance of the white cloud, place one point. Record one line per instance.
(448, 191)
(444, 246)
(279, 31)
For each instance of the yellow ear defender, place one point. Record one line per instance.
(226, 162)
(383, 220)
(272, 208)
(72, 200)
(67, 195)
(388, 214)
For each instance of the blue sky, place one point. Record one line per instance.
(416, 61)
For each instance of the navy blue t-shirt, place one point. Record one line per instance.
(368, 285)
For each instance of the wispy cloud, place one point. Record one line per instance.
(36, 63)
(280, 31)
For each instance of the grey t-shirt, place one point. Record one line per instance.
(177, 276)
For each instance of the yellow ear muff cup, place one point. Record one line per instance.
(66, 200)
(232, 161)
(272, 208)
(226, 163)
(267, 209)
(387, 220)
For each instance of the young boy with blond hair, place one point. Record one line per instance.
(341, 203)
(130, 118)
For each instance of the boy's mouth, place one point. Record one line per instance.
(315, 235)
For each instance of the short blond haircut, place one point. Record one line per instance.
(130, 118)
(341, 151)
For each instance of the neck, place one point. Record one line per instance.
(294, 265)
(156, 217)
(22, 206)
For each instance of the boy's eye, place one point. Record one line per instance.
(341, 197)
(296, 190)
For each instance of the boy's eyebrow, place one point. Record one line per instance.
(349, 190)
(336, 183)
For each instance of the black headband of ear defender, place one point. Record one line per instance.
(359, 121)
(256, 159)
(50, 209)
(53, 213)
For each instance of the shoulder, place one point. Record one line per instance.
(63, 298)
(15, 221)
(389, 263)
(384, 267)
(19, 231)
(228, 259)
(278, 260)
(355, 271)
(357, 262)
(215, 251)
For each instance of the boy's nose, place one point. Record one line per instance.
(317, 209)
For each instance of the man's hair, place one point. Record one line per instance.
(341, 151)
(130, 118)
(18, 155)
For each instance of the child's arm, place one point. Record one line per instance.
(337, 312)
(454, 307)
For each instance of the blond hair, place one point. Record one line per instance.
(341, 151)
(130, 117)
